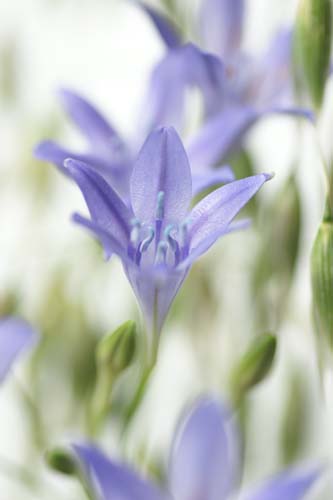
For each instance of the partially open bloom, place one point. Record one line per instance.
(15, 337)
(204, 465)
(237, 88)
(157, 236)
(111, 155)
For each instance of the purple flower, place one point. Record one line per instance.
(237, 88)
(15, 337)
(157, 236)
(107, 152)
(204, 465)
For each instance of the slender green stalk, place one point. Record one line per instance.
(150, 350)
(100, 405)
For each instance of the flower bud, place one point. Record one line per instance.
(116, 351)
(255, 364)
(322, 281)
(114, 354)
(61, 461)
(313, 45)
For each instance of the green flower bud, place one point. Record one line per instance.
(255, 364)
(61, 461)
(116, 351)
(322, 281)
(313, 45)
(114, 354)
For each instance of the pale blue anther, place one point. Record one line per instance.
(161, 252)
(146, 242)
(160, 205)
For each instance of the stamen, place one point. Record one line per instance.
(172, 241)
(160, 205)
(146, 242)
(161, 252)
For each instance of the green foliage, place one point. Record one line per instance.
(313, 45)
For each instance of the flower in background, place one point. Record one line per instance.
(108, 153)
(204, 464)
(15, 337)
(157, 236)
(237, 88)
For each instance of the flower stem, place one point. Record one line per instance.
(150, 359)
(100, 404)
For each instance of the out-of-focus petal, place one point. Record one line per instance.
(115, 171)
(204, 461)
(274, 78)
(221, 26)
(162, 166)
(105, 206)
(290, 111)
(211, 177)
(182, 69)
(221, 135)
(164, 27)
(290, 485)
(16, 335)
(98, 131)
(213, 214)
(50, 151)
(112, 481)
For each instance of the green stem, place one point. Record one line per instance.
(137, 399)
(100, 404)
(150, 358)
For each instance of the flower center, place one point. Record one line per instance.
(162, 245)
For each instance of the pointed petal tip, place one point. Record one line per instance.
(269, 176)
(76, 217)
(41, 150)
(70, 163)
(74, 166)
(63, 93)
